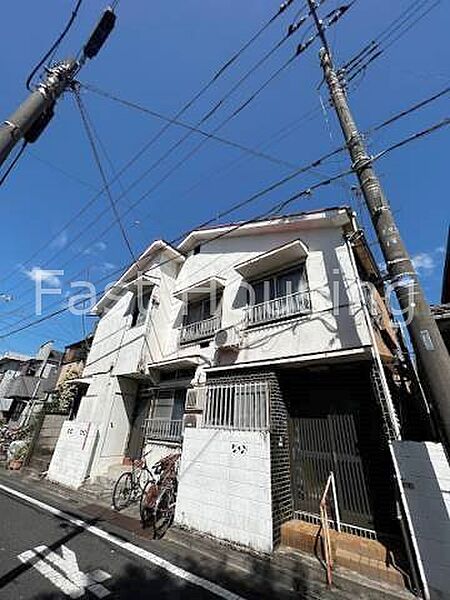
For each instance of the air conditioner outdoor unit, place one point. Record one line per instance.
(227, 338)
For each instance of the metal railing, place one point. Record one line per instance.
(163, 429)
(278, 308)
(325, 525)
(243, 406)
(199, 330)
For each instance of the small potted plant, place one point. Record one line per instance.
(18, 455)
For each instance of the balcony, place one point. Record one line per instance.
(163, 429)
(278, 308)
(199, 330)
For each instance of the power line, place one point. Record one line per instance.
(55, 45)
(412, 109)
(275, 209)
(184, 125)
(298, 171)
(13, 162)
(375, 49)
(392, 28)
(154, 138)
(85, 120)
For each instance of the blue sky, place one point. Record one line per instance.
(159, 55)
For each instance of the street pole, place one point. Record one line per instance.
(431, 353)
(31, 118)
(37, 106)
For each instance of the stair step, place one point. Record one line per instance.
(364, 556)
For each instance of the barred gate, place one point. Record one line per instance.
(321, 445)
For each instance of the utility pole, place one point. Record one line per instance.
(432, 355)
(31, 118)
(33, 115)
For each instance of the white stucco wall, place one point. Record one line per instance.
(108, 404)
(225, 491)
(332, 282)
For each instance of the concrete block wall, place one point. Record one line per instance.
(225, 488)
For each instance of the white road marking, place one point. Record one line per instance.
(129, 547)
(65, 573)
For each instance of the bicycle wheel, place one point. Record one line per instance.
(147, 503)
(164, 512)
(122, 491)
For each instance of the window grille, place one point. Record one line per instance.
(243, 406)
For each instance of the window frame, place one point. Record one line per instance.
(139, 313)
(273, 277)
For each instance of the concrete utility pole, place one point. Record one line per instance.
(432, 355)
(31, 118)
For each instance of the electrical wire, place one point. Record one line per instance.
(376, 49)
(156, 137)
(55, 45)
(13, 162)
(298, 171)
(385, 33)
(85, 120)
(275, 209)
(192, 128)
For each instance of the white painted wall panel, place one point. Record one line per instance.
(224, 493)
(424, 473)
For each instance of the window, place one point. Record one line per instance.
(201, 320)
(278, 296)
(141, 304)
(198, 311)
(279, 285)
(243, 406)
(165, 420)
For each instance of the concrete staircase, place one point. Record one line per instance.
(369, 558)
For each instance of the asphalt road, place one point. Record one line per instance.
(46, 557)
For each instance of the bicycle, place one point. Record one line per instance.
(131, 484)
(157, 505)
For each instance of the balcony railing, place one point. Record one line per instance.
(199, 330)
(163, 429)
(278, 308)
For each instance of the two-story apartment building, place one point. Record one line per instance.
(260, 348)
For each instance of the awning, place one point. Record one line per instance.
(80, 380)
(5, 404)
(273, 260)
(143, 282)
(200, 289)
(181, 362)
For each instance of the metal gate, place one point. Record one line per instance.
(321, 445)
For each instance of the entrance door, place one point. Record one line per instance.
(318, 446)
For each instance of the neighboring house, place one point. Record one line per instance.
(61, 404)
(34, 382)
(11, 365)
(258, 348)
(72, 365)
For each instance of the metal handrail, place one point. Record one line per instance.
(325, 524)
(278, 308)
(200, 329)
